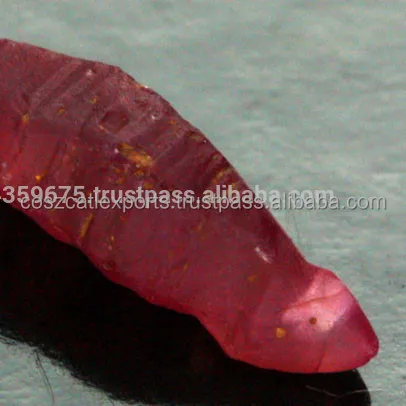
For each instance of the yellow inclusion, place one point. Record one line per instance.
(280, 332)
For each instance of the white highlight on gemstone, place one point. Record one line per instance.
(263, 255)
(5, 176)
(326, 301)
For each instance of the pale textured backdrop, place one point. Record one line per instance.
(297, 94)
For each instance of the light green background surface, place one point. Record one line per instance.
(297, 95)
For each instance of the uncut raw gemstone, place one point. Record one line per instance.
(78, 124)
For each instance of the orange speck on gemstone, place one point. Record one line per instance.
(221, 174)
(198, 137)
(84, 228)
(140, 158)
(25, 118)
(280, 332)
(120, 180)
(252, 278)
(148, 185)
(199, 227)
(182, 268)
